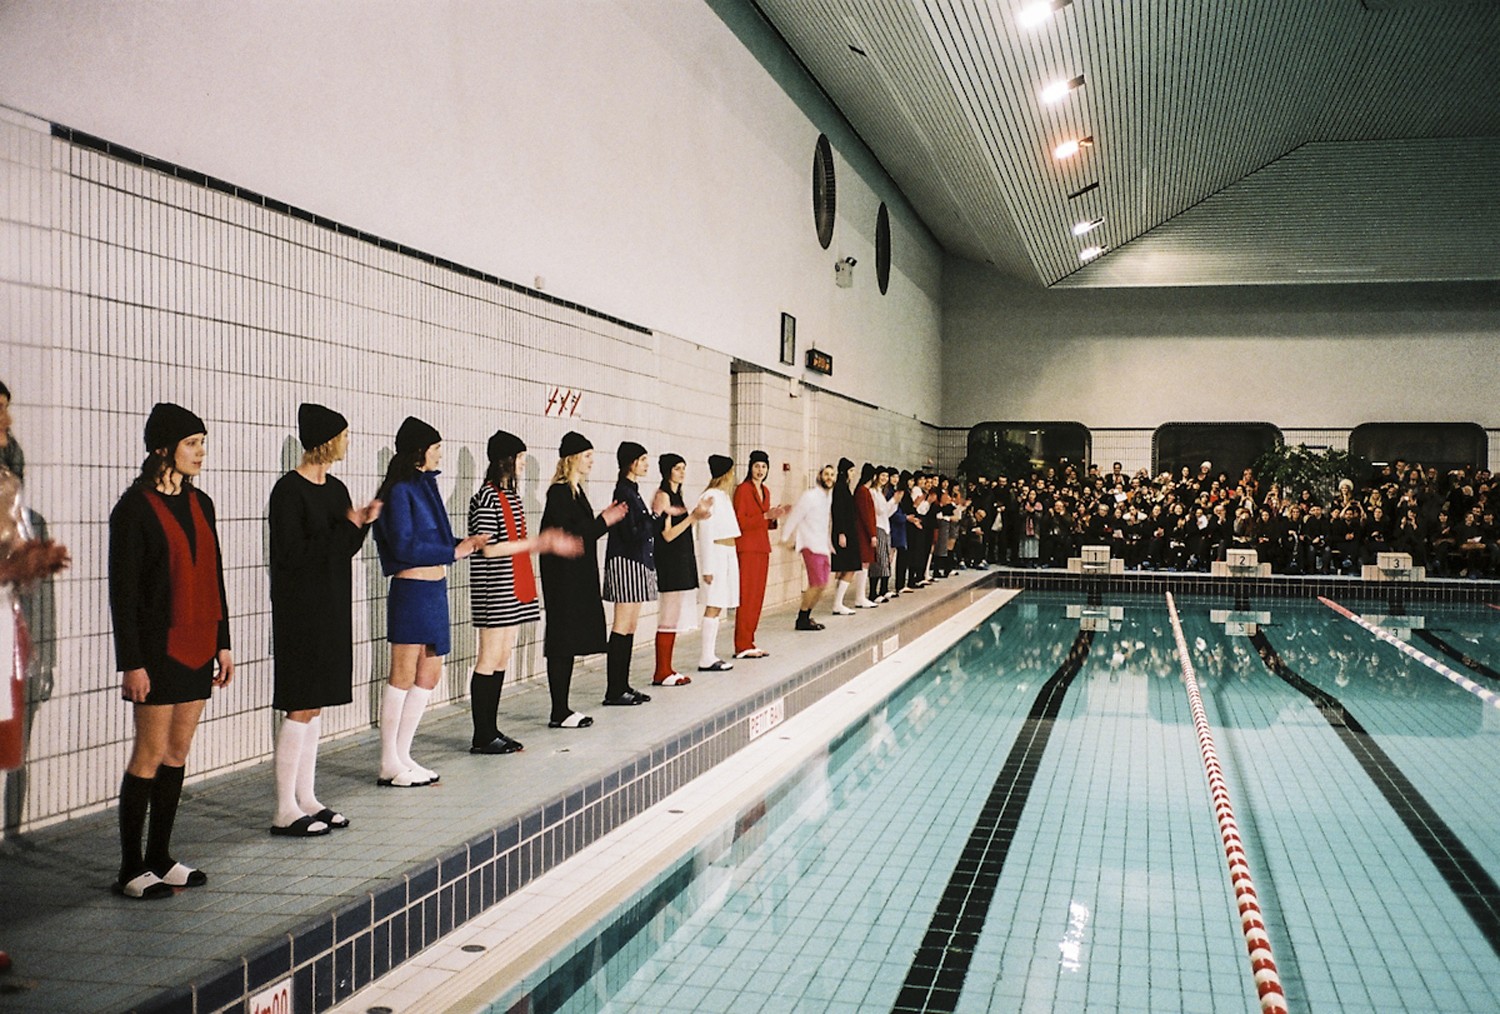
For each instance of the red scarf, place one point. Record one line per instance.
(193, 632)
(525, 579)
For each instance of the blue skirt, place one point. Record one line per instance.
(416, 612)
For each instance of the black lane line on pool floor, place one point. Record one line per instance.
(1457, 654)
(942, 961)
(1469, 880)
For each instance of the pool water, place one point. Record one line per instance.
(1026, 826)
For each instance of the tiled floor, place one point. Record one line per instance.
(276, 904)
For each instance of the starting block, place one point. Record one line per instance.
(1393, 567)
(1095, 560)
(1240, 563)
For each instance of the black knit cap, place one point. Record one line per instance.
(760, 456)
(844, 466)
(628, 452)
(573, 443)
(504, 445)
(414, 435)
(318, 424)
(169, 423)
(866, 473)
(718, 464)
(669, 461)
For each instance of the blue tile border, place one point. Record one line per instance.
(339, 951)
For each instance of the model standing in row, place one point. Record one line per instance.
(315, 533)
(808, 528)
(570, 586)
(676, 567)
(502, 583)
(171, 624)
(756, 518)
(629, 573)
(416, 544)
(846, 555)
(718, 566)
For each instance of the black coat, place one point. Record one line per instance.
(312, 592)
(570, 588)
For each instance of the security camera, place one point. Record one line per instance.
(850, 261)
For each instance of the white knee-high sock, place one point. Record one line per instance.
(706, 653)
(411, 717)
(290, 743)
(307, 771)
(861, 584)
(838, 595)
(392, 707)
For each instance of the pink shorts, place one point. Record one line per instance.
(817, 568)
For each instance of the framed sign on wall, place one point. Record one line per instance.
(788, 339)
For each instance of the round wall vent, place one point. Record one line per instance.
(823, 190)
(883, 248)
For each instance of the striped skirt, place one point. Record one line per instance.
(627, 580)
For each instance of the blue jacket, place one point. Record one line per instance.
(413, 529)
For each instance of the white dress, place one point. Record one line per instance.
(715, 560)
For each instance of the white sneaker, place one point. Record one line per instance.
(864, 604)
(842, 611)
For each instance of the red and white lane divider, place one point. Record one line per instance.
(1262, 962)
(1485, 694)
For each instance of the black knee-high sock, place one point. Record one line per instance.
(617, 665)
(166, 790)
(135, 800)
(559, 680)
(484, 701)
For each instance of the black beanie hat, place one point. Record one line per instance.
(866, 473)
(844, 466)
(669, 461)
(317, 424)
(573, 443)
(718, 464)
(169, 423)
(504, 445)
(759, 456)
(628, 452)
(414, 435)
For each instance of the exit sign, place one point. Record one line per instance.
(820, 362)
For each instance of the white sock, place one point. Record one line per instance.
(411, 717)
(839, 593)
(706, 653)
(861, 582)
(291, 741)
(392, 707)
(307, 799)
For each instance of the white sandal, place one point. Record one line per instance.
(143, 886)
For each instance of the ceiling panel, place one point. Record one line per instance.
(1183, 101)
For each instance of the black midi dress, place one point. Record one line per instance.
(312, 592)
(846, 559)
(570, 587)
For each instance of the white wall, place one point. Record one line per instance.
(633, 153)
(1303, 357)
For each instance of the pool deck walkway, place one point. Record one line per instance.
(328, 915)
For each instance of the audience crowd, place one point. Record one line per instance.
(1185, 521)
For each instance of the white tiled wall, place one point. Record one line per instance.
(121, 286)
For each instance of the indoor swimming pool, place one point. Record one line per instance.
(1025, 826)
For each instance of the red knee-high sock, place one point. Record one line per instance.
(665, 639)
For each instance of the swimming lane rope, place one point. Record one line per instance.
(1262, 962)
(1483, 693)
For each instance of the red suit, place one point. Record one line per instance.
(754, 549)
(864, 512)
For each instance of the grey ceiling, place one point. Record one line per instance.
(1264, 141)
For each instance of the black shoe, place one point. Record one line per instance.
(809, 625)
(500, 744)
(628, 698)
(643, 697)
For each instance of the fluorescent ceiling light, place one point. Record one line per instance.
(1088, 253)
(1058, 90)
(1083, 228)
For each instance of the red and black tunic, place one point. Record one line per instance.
(166, 591)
